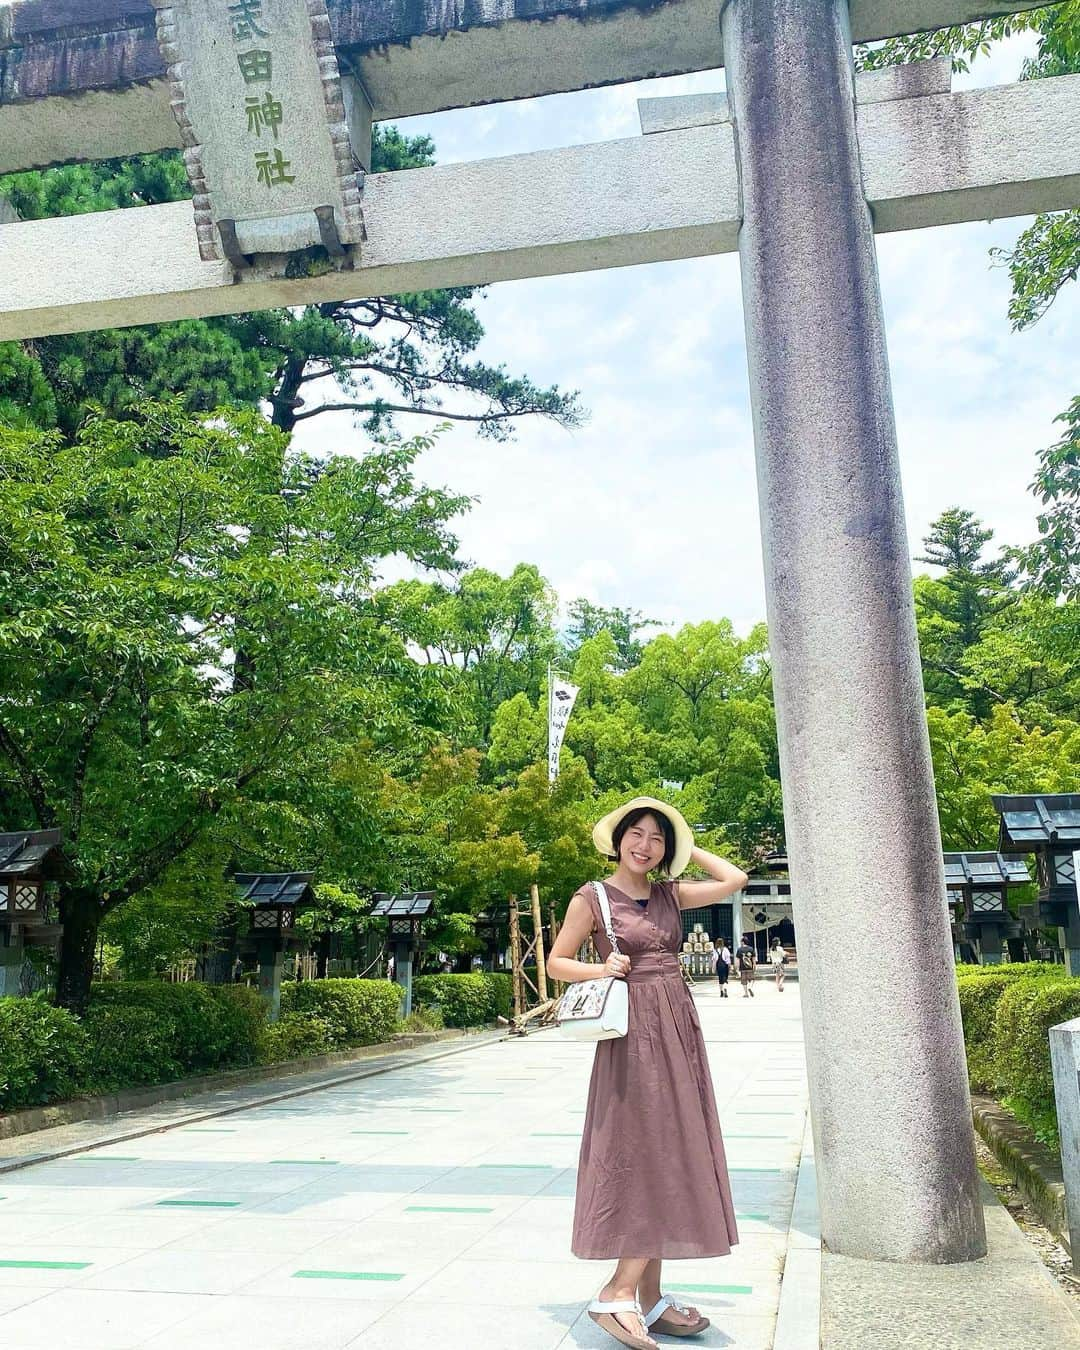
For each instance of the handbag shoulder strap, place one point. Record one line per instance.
(605, 910)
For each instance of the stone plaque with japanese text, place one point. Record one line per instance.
(257, 94)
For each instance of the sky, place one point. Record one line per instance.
(652, 504)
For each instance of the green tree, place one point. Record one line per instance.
(586, 620)
(377, 358)
(518, 737)
(1056, 24)
(490, 636)
(1053, 562)
(1030, 659)
(972, 760)
(125, 557)
(954, 611)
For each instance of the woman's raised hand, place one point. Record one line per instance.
(617, 965)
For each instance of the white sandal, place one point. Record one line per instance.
(655, 1318)
(603, 1314)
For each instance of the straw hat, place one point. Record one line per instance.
(684, 836)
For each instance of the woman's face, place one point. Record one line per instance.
(642, 847)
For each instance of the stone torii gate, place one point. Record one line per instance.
(796, 169)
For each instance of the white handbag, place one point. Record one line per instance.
(596, 1010)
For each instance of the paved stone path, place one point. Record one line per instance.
(431, 1201)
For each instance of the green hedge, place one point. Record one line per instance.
(472, 1000)
(463, 1000)
(980, 988)
(503, 984)
(129, 1047)
(357, 1012)
(293, 1036)
(1008, 1011)
(1012, 970)
(143, 1032)
(1022, 1021)
(43, 1053)
(202, 1027)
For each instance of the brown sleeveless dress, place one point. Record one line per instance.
(652, 1178)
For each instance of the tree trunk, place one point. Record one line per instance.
(80, 913)
(286, 398)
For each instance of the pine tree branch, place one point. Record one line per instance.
(419, 409)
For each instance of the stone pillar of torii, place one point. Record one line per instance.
(796, 169)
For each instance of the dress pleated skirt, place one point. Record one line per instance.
(652, 1176)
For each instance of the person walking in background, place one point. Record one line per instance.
(745, 963)
(778, 959)
(723, 965)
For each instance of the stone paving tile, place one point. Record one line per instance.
(169, 1270)
(341, 1280)
(521, 1283)
(53, 1264)
(15, 1296)
(94, 1320)
(251, 1234)
(144, 1229)
(23, 1225)
(239, 1321)
(287, 1225)
(25, 1195)
(393, 1241)
(465, 1327)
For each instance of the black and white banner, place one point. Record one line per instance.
(561, 697)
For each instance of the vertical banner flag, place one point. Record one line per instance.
(561, 697)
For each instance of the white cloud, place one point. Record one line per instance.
(652, 504)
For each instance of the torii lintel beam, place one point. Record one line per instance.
(931, 159)
(83, 79)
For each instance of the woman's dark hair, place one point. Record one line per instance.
(631, 818)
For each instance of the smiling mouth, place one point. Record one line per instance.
(637, 857)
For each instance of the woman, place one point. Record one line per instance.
(652, 1178)
(723, 965)
(778, 956)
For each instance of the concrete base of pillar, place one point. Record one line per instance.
(1006, 1299)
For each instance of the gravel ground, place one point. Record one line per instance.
(1053, 1254)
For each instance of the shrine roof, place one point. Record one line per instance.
(274, 888)
(984, 869)
(31, 852)
(1038, 821)
(414, 904)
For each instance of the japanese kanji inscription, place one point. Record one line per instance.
(257, 94)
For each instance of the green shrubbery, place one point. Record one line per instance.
(143, 1032)
(465, 1000)
(423, 1019)
(129, 1047)
(43, 1053)
(202, 1026)
(1008, 1011)
(294, 1036)
(503, 983)
(357, 1012)
(980, 989)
